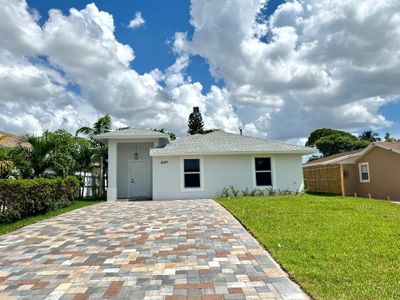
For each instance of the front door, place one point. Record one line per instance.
(139, 179)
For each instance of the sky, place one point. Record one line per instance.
(278, 69)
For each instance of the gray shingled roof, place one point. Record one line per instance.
(220, 142)
(131, 133)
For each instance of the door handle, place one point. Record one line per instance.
(132, 180)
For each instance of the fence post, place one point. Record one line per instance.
(342, 180)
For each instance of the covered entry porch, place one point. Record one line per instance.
(129, 162)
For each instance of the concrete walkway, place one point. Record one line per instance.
(140, 250)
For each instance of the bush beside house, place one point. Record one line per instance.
(23, 198)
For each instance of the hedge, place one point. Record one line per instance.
(23, 198)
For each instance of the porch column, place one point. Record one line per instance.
(112, 171)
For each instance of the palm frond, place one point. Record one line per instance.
(5, 166)
(86, 131)
(103, 124)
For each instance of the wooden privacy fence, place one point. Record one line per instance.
(324, 179)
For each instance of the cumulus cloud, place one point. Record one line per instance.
(79, 52)
(137, 21)
(310, 64)
(331, 63)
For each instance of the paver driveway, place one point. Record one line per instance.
(136, 250)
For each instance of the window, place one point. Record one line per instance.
(263, 171)
(191, 173)
(364, 172)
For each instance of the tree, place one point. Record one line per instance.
(172, 135)
(331, 141)
(84, 155)
(335, 143)
(323, 132)
(102, 125)
(33, 161)
(195, 123)
(369, 136)
(314, 157)
(389, 138)
(205, 131)
(5, 162)
(62, 162)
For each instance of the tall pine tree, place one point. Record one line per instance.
(195, 122)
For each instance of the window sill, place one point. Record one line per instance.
(188, 190)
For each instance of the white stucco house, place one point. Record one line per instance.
(145, 164)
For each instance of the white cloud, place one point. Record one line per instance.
(328, 63)
(311, 64)
(80, 49)
(137, 21)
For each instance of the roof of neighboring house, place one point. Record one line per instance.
(135, 133)
(220, 142)
(390, 146)
(9, 140)
(393, 146)
(353, 156)
(333, 159)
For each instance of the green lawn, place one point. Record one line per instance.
(5, 228)
(334, 247)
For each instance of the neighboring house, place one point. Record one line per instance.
(146, 164)
(370, 172)
(9, 140)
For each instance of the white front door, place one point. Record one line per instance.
(139, 179)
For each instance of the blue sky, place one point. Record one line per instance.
(280, 75)
(151, 42)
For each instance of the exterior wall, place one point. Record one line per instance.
(351, 180)
(126, 152)
(384, 170)
(112, 171)
(289, 172)
(221, 171)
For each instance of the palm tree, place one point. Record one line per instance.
(38, 152)
(5, 163)
(5, 166)
(102, 125)
(369, 136)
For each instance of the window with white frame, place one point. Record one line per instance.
(263, 171)
(364, 172)
(191, 173)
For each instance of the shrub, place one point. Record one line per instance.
(20, 199)
(224, 193)
(271, 192)
(259, 192)
(235, 192)
(253, 192)
(246, 192)
(284, 192)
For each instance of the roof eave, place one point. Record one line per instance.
(105, 138)
(333, 161)
(302, 152)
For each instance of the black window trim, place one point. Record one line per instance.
(183, 173)
(262, 171)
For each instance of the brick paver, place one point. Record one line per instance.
(140, 250)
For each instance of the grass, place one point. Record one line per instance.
(334, 247)
(6, 228)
